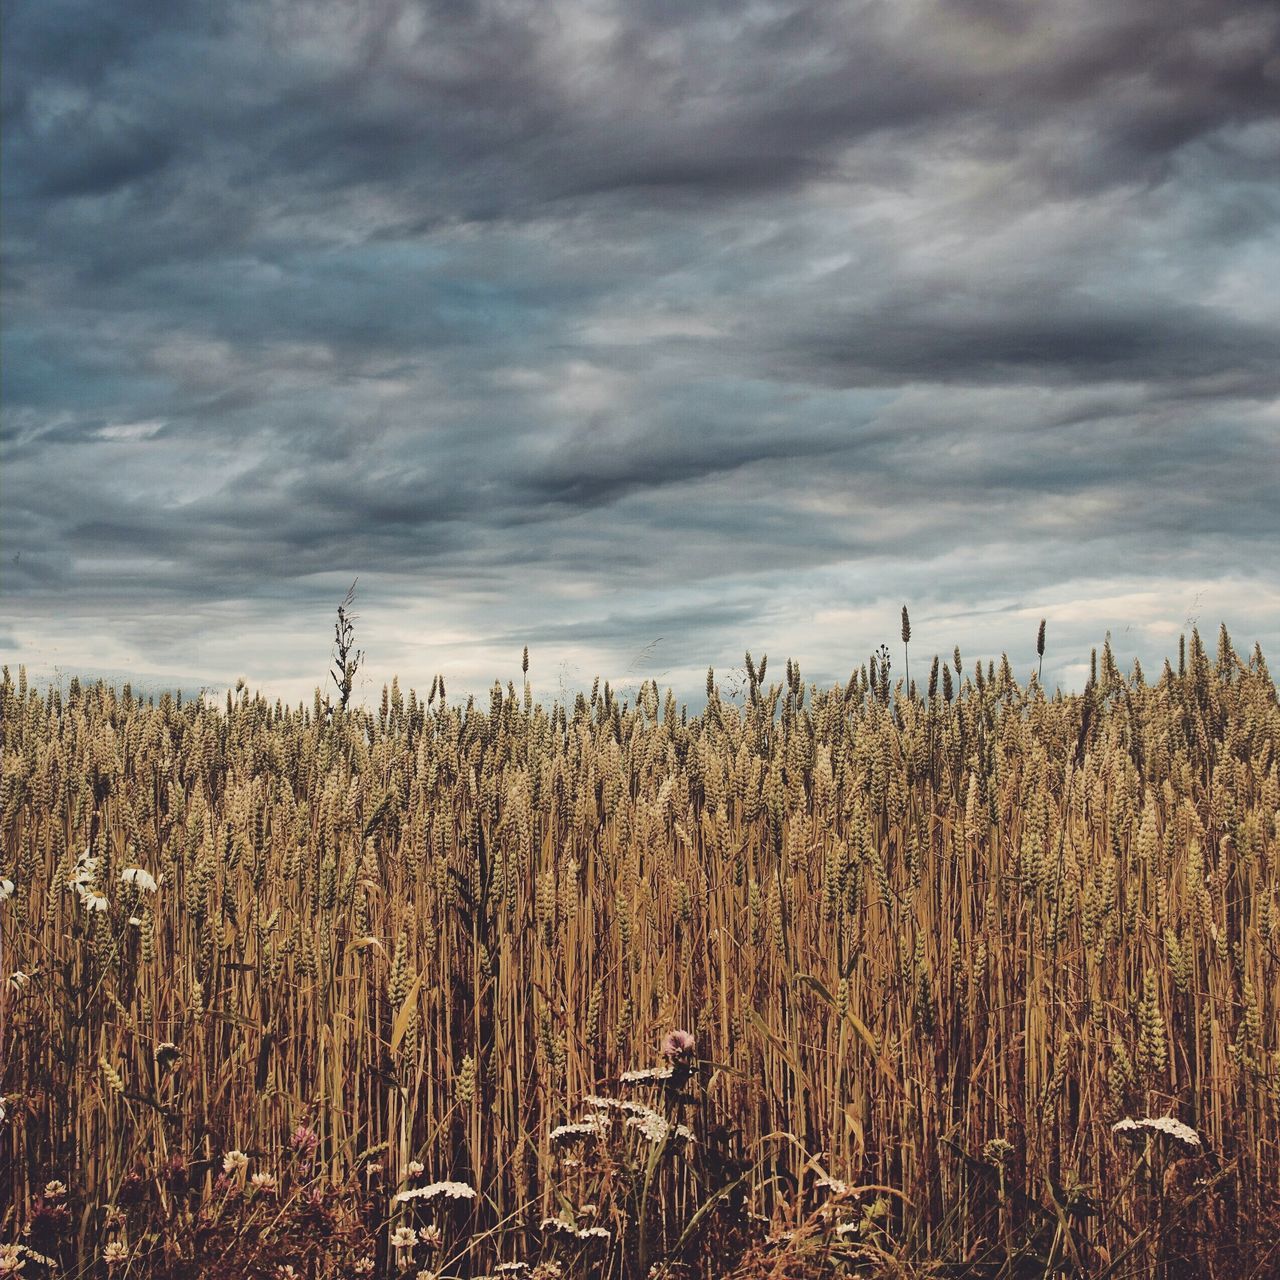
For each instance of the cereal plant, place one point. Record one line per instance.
(968, 979)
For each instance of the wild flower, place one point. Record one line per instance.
(139, 878)
(304, 1140)
(414, 1168)
(567, 1134)
(55, 1190)
(11, 1260)
(646, 1075)
(404, 1238)
(363, 1266)
(92, 900)
(431, 1236)
(234, 1162)
(657, 1128)
(678, 1045)
(451, 1190)
(997, 1150)
(1169, 1125)
(6, 889)
(19, 981)
(264, 1183)
(115, 1253)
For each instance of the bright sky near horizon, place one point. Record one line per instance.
(641, 333)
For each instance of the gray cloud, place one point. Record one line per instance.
(582, 323)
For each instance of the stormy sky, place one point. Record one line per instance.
(640, 333)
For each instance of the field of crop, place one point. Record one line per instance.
(847, 981)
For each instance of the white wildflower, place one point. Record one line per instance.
(55, 1190)
(453, 1190)
(264, 1182)
(404, 1238)
(414, 1168)
(648, 1075)
(115, 1253)
(656, 1128)
(6, 889)
(565, 1134)
(234, 1162)
(139, 878)
(92, 900)
(1158, 1124)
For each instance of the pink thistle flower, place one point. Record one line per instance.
(678, 1045)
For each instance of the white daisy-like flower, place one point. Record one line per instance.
(264, 1182)
(453, 1190)
(6, 889)
(55, 1190)
(139, 878)
(414, 1168)
(431, 1236)
(92, 900)
(19, 981)
(404, 1238)
(234, 1162)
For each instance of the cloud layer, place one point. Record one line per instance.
(586, 324)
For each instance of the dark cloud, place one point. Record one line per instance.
(583, 323)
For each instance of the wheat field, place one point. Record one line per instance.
(856, 980)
